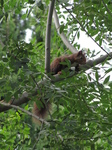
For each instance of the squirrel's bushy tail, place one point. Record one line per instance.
(40, 112)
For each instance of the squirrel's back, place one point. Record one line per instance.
(56, 66)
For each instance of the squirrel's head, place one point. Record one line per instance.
(80, 58)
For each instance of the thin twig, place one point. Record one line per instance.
(25, 96)
(85, 30)
(25, 111)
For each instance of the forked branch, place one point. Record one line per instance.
(25, 97)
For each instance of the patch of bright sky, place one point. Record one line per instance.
(84, 41)
(28, 35)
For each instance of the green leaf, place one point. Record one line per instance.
(5, 59)
(89, 77)
(78, 34)
(24, 16)
(109, 70)
(106, 80)
(61, 29)
(97, 75)
(97, 38)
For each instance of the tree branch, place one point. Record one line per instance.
(84, 29)
(25, 111)
(62, 35)
(48, 37)
(87, 66)
(25, 97)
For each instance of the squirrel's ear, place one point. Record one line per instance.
(80, 52)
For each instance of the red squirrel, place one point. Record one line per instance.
(56, 67)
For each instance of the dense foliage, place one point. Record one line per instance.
(81, 112)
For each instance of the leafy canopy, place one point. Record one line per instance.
(81, 105)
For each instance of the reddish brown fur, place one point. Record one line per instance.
(42, 112)
(56, 65)
(55, 68)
